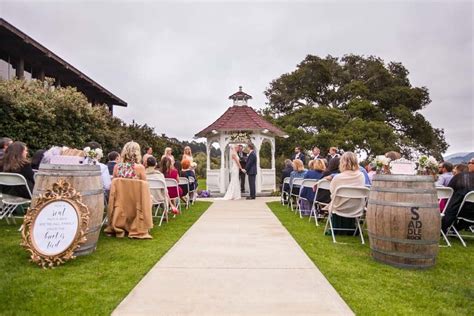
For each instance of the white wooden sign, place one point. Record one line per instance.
(403, 166)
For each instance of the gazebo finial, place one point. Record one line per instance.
(240, 88)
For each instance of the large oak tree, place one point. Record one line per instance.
(355, 103)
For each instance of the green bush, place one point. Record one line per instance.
(41, 115)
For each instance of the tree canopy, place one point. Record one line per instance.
(355, 103)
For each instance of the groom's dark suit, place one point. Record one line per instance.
(251, 168)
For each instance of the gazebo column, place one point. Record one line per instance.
(208, 160)
(258, 146)
(272, 143)
(222, 177)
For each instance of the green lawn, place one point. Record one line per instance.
(202, 184)
(372, 288)
(90, 285)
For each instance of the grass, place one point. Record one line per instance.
(89, 285)
(202, 184)
(372, 288)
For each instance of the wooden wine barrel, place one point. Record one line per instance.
(403, 220)
(86, 179)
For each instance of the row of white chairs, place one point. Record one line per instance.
(9, 203)
(295, 200)
(163, 186)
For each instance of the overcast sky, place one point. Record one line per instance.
(176, 64)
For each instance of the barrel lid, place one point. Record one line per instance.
(402, 177)
(55, 167)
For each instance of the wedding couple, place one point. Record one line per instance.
(233, 191)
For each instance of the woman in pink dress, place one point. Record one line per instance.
(170, 172)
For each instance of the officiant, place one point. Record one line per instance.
(242, 159)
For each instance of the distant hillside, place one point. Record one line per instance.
(459, 157)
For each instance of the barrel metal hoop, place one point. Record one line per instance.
(83, 193)
(91, 230)
(404, 190)
(402, 178)
(405, 265)
(404, 254)
(403, 204)
(405, 241)
(66, 174)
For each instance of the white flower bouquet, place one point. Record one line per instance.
(381, 162)
(93, 154)
(427, 165)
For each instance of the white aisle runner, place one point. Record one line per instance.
(237, 259)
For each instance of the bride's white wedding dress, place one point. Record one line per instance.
(233, 191)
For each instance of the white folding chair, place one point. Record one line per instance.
(285, 195)
(322, 184)
(308, 184)
(444, 193)
(468, 198)
(294, 196)
(172, 183)
(159, 186)
(185, 182)
(360, 194)
(193, 192)
(10, 202)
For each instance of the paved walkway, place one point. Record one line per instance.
(237, 259)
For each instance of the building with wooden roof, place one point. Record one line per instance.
(240, 124)
(23, 57)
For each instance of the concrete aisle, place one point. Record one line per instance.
(237, 259)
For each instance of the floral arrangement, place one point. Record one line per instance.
(240, 137)
(427, 165)
(381, 162)
(93, 154)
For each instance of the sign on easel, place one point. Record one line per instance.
(56, 226)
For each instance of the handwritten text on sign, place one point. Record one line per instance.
(55, 228)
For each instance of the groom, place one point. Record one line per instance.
(251, 170)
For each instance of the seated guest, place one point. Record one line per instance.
(151, 171)
(4, 143)
(371, 169)
(351, 175)
(148, 153)
(187, 172)
(286, 174)
(332, 169)
(130, 166)
(16, 160)
(445, 174)
(170, 172)
(316, 168)
(287, 169)
(462, 183)
(298, 172)
(460, 168)
(37, 158)
(113, 158)
(103, 168)
(367, 180)
(154, 174)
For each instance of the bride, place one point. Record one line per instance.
(233, 191)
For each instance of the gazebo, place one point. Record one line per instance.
(240, 124)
